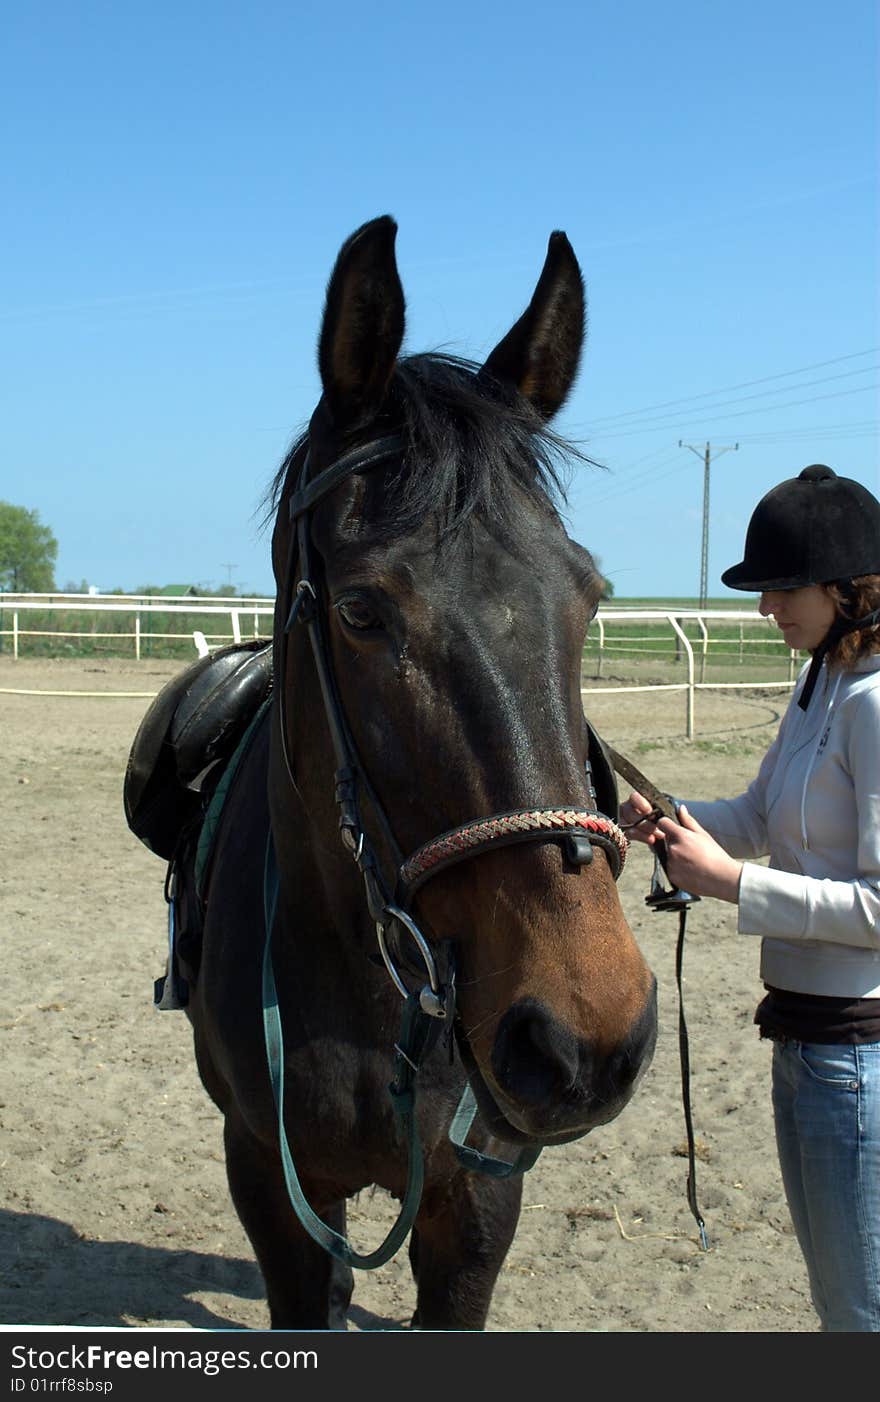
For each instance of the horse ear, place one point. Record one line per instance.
(541, 353)
(362, 329)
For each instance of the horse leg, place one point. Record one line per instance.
(456, 1252)
(306, 1288)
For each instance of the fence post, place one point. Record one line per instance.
(15, 634)
(137, 637)
(601, 646)
(682, 636)
(236, 626)
(704, 631)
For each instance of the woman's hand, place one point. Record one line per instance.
(694, 860)
(635, 808)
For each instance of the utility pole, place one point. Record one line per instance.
(229, 568)
(706, 455)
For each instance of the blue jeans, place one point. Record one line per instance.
(826, 1104)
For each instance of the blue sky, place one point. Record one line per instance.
(177, 179)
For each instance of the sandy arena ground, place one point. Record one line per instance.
(114, 1208)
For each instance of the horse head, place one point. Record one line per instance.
(454, 608)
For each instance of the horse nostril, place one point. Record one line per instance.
(534, 1057)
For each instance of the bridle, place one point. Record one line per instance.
(389, 903)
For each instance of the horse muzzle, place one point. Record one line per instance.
(544, 1085)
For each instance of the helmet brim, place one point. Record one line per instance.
(742, 576)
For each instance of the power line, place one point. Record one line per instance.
(742, 413)
(728, 389)
(624, 486)
(858, 429)
(763, 394)
(706, 455)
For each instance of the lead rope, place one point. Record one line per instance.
(684, 1058)
(675, 899)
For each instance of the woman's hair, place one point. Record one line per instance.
(855, 598)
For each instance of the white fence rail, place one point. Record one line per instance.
(690, 686)
(252, 617)
(243, 616)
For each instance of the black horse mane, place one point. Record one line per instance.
(474, 450)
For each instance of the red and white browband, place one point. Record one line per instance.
(506, 828)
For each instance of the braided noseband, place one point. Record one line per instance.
(505, 828)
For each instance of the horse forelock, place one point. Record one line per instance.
(473, 451)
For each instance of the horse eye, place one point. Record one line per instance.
(358, 614)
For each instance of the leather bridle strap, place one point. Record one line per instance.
(304, 607)
(419, 1031)
(503, 829)
(309, 492)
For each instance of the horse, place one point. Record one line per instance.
(414, 822)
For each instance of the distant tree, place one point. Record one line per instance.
(607, 586)
(28, 551)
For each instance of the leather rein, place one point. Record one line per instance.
(674, 899)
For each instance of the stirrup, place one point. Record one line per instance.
(170, 991)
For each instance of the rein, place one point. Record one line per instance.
(426, 1011)
(674, 899)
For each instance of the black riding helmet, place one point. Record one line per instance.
(816, 528)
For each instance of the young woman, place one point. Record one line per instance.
(813, 552)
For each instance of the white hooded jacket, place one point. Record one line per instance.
(814, 807)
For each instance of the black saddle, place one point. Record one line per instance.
(190, 729)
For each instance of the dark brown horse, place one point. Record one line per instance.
(427, 649)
